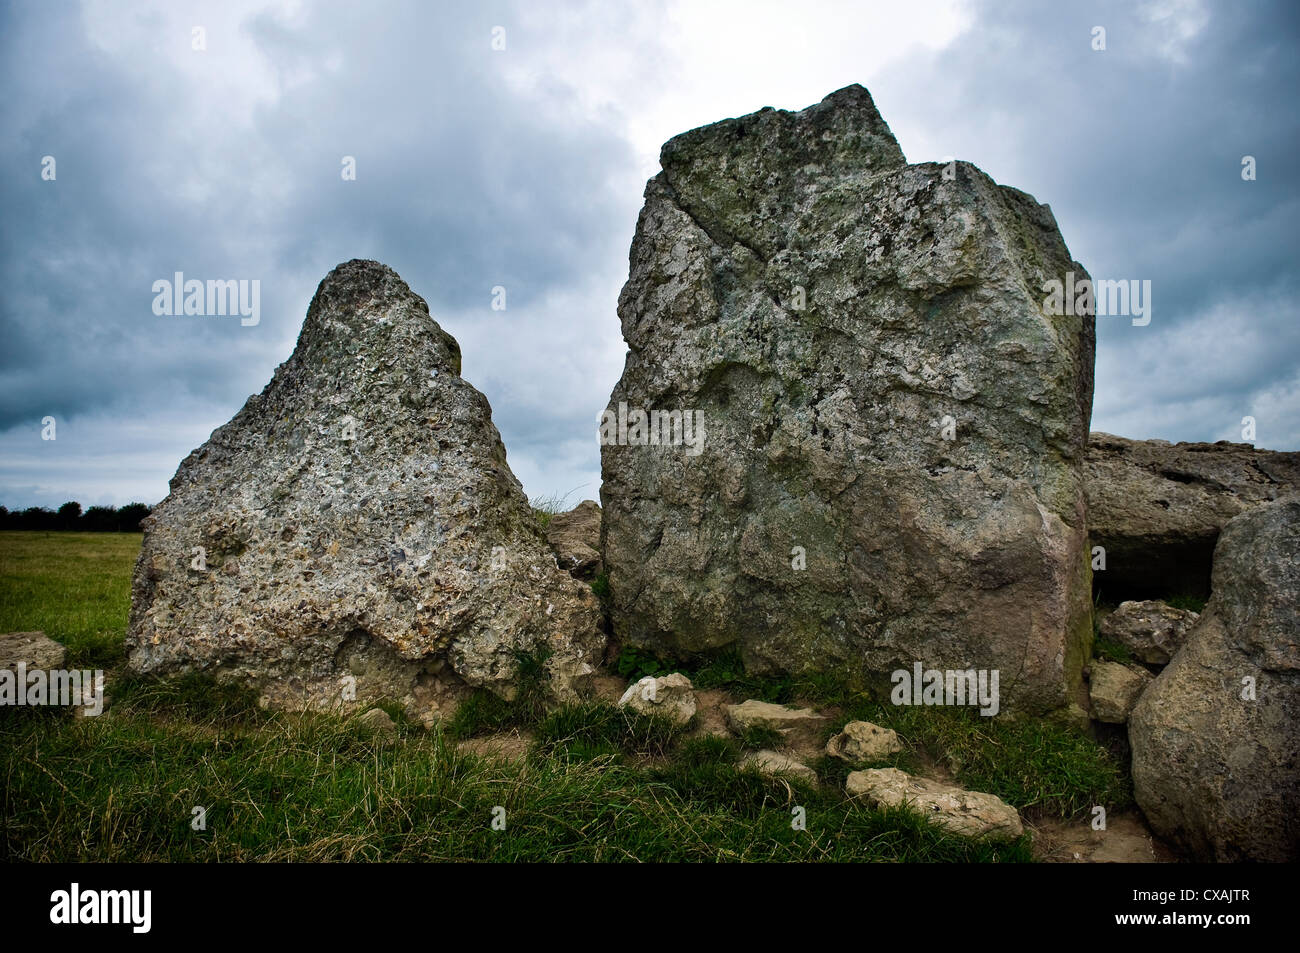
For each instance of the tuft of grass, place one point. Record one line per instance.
(1189, 601)
(480, 714)
(484, 712)
(546, 505)
(591, 730)
(761, 736)
(600, 586)
(1110, 650)
(196, 697)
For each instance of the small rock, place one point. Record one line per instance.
(773, 762)
(1115, 690)
(1151, 630)
(956, 810)
(671, 697)
(34, 649)
(575, 537)
(861, 742)
(791, 722)
(378, 721)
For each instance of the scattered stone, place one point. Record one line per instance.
(794, 724)
(861, 742)
(33, 649)
(773, 762)
(955, 809)
(1216, 737)
(355, 532)
(883, 458)
(575, 537)
(1158, 507)
(379, 721)
(1115, 690)
(671, 697)
(1151, 630)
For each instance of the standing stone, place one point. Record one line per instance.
(1216, 737)
(355, 532)
(883, 458)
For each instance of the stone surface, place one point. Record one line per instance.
(575, 537)
(1214, 772)
(795, 724)
(671, 697)
(1151, 630)
(823, 308)
(955, 809)
(861, 742)
(773, 762)
(34, 649)
(1115, 689)
(357, 521)
(378, 721)
(1157, 507)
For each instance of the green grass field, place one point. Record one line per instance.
(597, 784)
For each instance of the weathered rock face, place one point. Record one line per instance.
(1151, 630)
(35, 650)
(794, 724)
(575, 537)
(357, 518)
(1157, 508)
(1115, 689)
(890, 428)
(1214, 771)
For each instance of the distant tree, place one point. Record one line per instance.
(100, 519)
(129, 517)
(38, 518)
(69, 513)
(4, 518)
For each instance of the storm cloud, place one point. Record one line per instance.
(522, 168)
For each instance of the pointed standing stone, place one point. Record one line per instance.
(355, 532)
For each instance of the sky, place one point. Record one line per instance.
(507, 145)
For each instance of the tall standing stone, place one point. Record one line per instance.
(355, 529)
(893, 420)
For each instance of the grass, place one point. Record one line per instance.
(598, 784)
(547, 505)
(1193, 603)
(74, 587)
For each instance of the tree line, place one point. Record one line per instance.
(97, 519)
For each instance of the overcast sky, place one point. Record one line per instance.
(524, 168)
